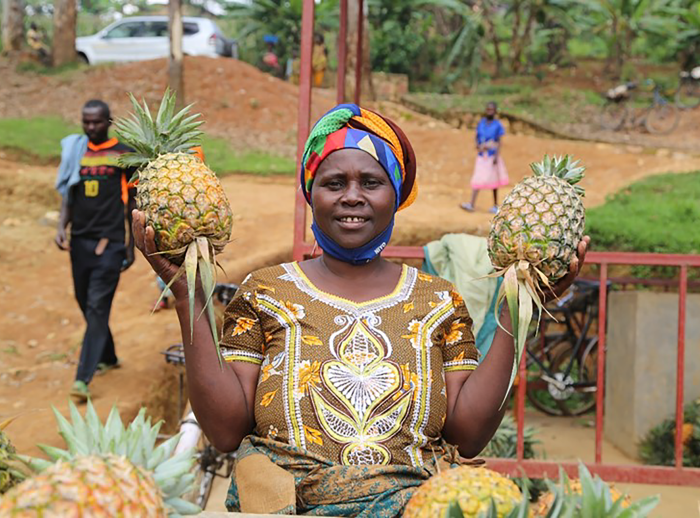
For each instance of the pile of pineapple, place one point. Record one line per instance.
(477, 492)
(106, 470)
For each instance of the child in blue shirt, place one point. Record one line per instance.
(489, 169)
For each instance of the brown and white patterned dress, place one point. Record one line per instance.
(355, 383)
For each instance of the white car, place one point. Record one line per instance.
(139, 38)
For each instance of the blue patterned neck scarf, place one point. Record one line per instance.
(361, 255)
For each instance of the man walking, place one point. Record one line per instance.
(97, 203)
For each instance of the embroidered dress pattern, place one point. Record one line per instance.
(356, 383)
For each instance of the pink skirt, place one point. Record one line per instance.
(488, 175)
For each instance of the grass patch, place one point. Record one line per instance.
(546, 106)
(658, 214)
(40, 138)
(222, 159)
(38, 68)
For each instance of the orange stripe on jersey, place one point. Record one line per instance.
(125, 191)
(105, 145)
(198, 152)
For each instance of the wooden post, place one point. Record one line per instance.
(303, 119)
(358, 73)
(342, 52)
(12, 25)
(176, 80)
(64, 21)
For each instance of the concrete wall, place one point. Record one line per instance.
(640, 372)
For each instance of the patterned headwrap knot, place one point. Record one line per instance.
(349, 126)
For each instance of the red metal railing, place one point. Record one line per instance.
(677, 475)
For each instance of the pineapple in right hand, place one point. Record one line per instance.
(180, 196)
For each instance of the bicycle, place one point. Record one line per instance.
(210, 462)
(688, 93)
(562, 365)
(659, 117)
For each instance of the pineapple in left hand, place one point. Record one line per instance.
(534, 238)
(181, 197)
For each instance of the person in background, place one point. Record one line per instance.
(35, 40)
(319, 59)
(489, 169)
(97, 204)
(271, 63)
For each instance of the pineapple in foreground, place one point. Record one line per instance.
(95, 486)
(534, 238)
(181, 197)
(584, 498)
(10, 475)
(575, 487)
(104, 466)
(473, 489)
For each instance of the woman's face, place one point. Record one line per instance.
(352, 198)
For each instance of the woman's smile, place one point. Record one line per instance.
(352, 222)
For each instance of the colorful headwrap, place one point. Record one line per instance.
(349, 126)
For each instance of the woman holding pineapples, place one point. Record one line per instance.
(347, 380)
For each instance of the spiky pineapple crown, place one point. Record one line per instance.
(563, 167)
(137, 442)
(168, 132)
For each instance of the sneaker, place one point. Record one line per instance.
(494, 209)
(467, 206)
(104, 368)
(80, 391)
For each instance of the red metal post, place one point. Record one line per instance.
(682, 295)
(522, 386)
(303, 118)
(600, 384)
(342, 52)
(358, 61)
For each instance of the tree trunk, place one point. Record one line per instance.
(491, 26)
(12, 25)
(176, 80)
(64, 20)
(521, 41)
(366, 89)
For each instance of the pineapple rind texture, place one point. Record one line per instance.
(541, 221)
(183, 199)
(91, 486)
(472, 488)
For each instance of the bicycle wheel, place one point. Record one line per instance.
(551, 391)
(662, 119)
(613, 115)
(688, 95)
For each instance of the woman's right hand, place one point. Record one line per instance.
(144, 239)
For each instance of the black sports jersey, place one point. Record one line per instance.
(100, 198)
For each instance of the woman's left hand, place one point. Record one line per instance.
(574, 268)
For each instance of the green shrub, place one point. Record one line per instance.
(659, 214)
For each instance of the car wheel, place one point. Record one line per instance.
(83, 58)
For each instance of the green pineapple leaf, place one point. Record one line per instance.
(168, 132)
(563, 167)
(454, 510)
